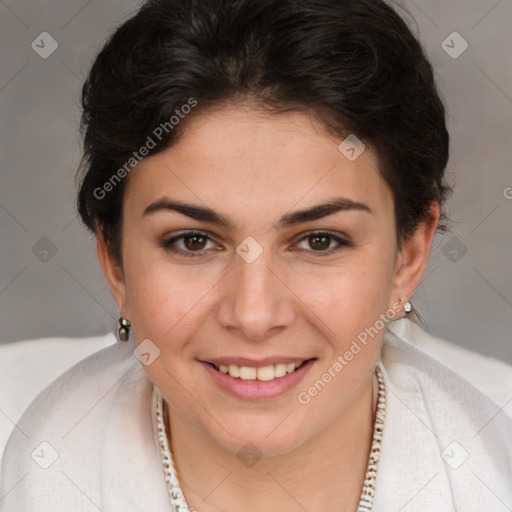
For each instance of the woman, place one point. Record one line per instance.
(264, 180)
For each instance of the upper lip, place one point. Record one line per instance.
(255, 363)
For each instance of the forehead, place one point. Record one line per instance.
(242, 158)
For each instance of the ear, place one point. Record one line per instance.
(112, 271)
(413, 257)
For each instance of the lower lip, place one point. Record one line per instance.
(258, 389)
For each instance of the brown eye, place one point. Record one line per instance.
(323, 243)
(193, 243)
(319, 243)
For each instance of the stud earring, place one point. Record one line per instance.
(124, 329)
(407, 306)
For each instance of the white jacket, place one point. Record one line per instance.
(447, 441)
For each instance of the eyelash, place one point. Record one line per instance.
(168, 244)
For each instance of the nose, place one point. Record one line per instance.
(256, 301)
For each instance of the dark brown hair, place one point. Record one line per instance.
(354, 64)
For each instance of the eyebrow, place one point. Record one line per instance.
(204, 214)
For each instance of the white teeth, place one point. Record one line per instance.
(234, 370)
(247, 373)
(280, 370)
(264, 373)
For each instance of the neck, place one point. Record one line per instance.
(325, 473)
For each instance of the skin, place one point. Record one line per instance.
(253, 168)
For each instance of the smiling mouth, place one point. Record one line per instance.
(264, 373)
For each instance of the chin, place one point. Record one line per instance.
(264, 439)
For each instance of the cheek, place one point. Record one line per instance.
(349, 312)
(349, 297)
(166, 309)
(165, 303)
(168, 302)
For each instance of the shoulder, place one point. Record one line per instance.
(448, 403)
(29, 366)
(445, 424)
(68, 422)
(88, 379)
(490, 376)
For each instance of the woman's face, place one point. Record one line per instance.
(269, 276)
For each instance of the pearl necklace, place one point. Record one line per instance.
(177, 499)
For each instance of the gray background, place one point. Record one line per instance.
(50, 281)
